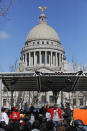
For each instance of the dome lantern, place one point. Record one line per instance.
(42, 19)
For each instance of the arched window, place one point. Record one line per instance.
(38, 42)
(4, 102)
(51, 99)
(33, 43)
(43, 99)
(74, 101)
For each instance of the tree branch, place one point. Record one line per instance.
(4, 10)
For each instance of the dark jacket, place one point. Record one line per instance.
(67, 114)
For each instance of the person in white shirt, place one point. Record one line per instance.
(32, 119)
(4, 116)
(48, 116)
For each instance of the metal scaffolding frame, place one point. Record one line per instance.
(43, 82)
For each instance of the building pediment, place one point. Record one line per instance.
(41, 69)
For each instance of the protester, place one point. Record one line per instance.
(48, 116)
(45, 119)
(35, 126)
(4, 116)
(14, 115)
(56, 115)
(22, 117)
(67, 113)
(32, 117)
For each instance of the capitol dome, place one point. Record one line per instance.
(43, 31)
(42, 50)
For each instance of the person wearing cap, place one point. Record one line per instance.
(14, 115)
(56, 114)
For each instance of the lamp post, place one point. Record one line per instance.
(55, 96)
(62, 97)
(12, 99)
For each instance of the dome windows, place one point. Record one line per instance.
(42, 42)
(33, 43)
(52, 43)
(38, 42)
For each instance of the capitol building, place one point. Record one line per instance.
(42, 52)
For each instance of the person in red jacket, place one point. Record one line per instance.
(56, 115)
(14, 115)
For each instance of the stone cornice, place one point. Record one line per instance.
(48, 47)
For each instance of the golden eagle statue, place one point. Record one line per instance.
(42, 8)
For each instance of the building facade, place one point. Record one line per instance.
(42, 52)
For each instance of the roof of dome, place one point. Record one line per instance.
(42, 31)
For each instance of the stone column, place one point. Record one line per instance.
(29, 59)
(40, 57)
(25, 58)
(51, 58)
(56, 60)
(45, 57)
(0, 95)
(34, 59)
(59, 60)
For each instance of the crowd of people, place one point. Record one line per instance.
(43, 119)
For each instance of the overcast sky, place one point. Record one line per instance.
(67, 17)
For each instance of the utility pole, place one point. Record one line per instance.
(55, 96)
(62, 97)
(12, 99)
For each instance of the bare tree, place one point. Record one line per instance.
(5, 6)
(14, 66)
(74, 65)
